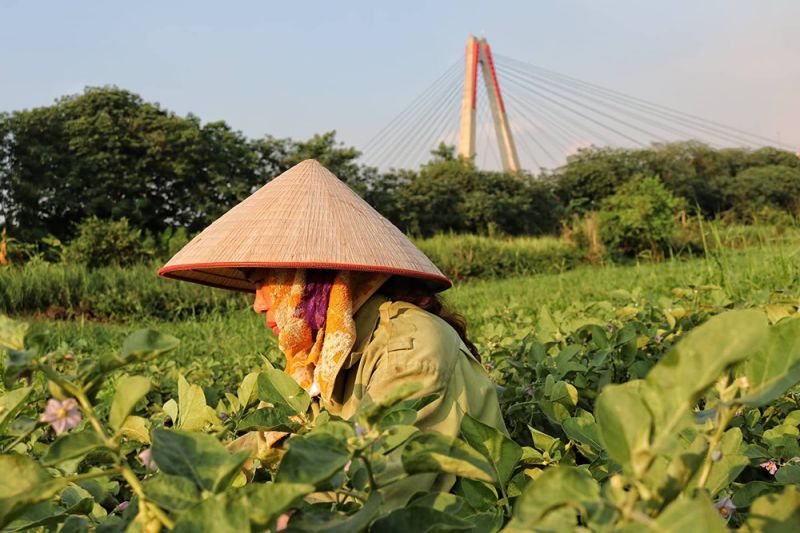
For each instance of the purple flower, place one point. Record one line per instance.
(610, 328)
(62, 415)
(360, 431)
(122, 506)
(529, 391)
(224, 416)
(725, 507)
(658, 338)
(770, 466)
(145, 456)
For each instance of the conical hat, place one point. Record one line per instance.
(304, 218)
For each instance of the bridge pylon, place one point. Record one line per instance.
(477, 54)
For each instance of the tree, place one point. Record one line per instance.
(771, 186)
(639, 217)
(109, 154)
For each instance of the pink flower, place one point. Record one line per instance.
(145, 456)
(770, 466)
(122, 506)
(62, 415)
(725, 507)
(283, 521)
(347, 466)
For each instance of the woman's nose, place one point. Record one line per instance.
(260, 304)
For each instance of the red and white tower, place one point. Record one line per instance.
(479, 53)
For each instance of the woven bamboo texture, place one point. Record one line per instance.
(304, 218)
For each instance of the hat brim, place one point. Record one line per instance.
(233, 275)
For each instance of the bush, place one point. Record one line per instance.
(639, 217)
(449, 195)
(105, 242)
(756, 190)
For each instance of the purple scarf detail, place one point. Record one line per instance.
(316, 294)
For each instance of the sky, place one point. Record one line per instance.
(292, 69)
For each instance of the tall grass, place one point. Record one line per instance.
(135, 293)
(466, 257)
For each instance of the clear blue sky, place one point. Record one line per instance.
(296, 68)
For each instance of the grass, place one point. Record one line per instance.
(223, 345)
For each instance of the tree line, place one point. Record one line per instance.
(109, 154)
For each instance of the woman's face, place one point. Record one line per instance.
(263, 304)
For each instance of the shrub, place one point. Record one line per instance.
(639, 217)
(755, 190)
(105, 242)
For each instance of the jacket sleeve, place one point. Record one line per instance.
(425, 354)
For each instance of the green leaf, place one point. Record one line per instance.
(419, 520)
(775, 512)
(789, 474)
(196, 456)
(174, 493)
(675, 383)
(247, 392)
(12, 333)
(277, 387)
(395, 436)
(267, 501)
(624, 423)
(727, 469)
(405, 417)
(221, 513)
(10, 404)
(430, 452)
(371, 410)
(502, 452)
(775, 368)
(556, 488)
(73, 446)
(583, 430)
(339, 523)
(23, 484)
(691, 515)
(270, 419)
(135, 427)
(192, 413)
(745, 496)
(146, 344)
(312, 458)
(478, 494)
(130, 389)
(564, 393)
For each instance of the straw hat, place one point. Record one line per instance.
(304, 218)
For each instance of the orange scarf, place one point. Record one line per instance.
(315, 362)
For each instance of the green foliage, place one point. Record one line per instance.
(638, 415)
(105, 242)
(450, 195)
(775, 187)
(703, 177)
(639, 217)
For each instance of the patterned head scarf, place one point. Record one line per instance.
(314, 313)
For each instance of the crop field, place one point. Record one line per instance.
(647, 396)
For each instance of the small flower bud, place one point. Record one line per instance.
(716, 455)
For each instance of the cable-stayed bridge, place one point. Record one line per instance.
(522, 116)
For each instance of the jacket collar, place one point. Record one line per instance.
(366, 320)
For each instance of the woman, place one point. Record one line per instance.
(352, 301)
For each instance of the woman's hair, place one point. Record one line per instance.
(399, 288)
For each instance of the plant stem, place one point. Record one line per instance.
(92, 475)
(506, 503)
(725, 414)
(137, 489)
(372, 483)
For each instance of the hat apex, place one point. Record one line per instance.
(304, 218)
